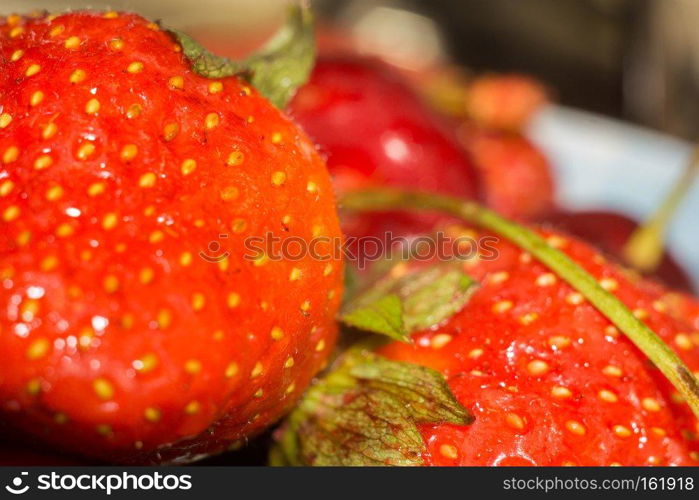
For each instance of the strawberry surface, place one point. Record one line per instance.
(548, 378)
(133, 327)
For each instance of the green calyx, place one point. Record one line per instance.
(277, 70)
(366, 412)
(664, 358)
(398, 304)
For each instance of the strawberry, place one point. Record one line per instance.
(376, 131)
(515, 174)
(129, 329)
(504, 102)
(610, 232)
(537, 354)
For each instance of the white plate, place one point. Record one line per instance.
(600, 163)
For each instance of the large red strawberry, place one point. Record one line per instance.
(135, 325)
(376, 131)
(541, 355)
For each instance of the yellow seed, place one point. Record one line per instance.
(238, 226)
(77, 76)
(229, 193)
(5, 120)
(36, 98)
(537, 367)
(211, 121)
(72, 42)
(56, 30)
(170, 131)
(311, 187)
(559, 341)
(85, 151)
(6, 187)
(192, 366)
(146, 275)
(327, 270)
(176, 83)
(215, 87)
(502, 306)
(198, 301)
(135, 67)
(575, 298)
(23, 238)
(49, 130)
(475, 353)
(278, 178)
(235, 158)
(612, 371)
(133, 111)
(289, 362)
(561, 392)
(110, 220)
(529, 318)
(38, 349)
(659, 431)
(276, 138)
(16, 31)
(96, 189)
(546, 279)
(188, 166)
(11, 154)
(92, 106)
(277, 333)
(64, 230)
(231, 370)
(192, 408)
(49, 263)
(295, 274)
(256, 370)
(16, 55)
(32, 70)
(185, 259)
(164, 319)
(609, 284)
(128, 152)
(640, 314)
(42, 162)
(320, 345)
(622, 431)
(233, 300)
(11, 213)
(291, 388)
(576, 427)
(34, 386)
(156, 236)
(116, 44)
(258, 393)
(152, 414)
(440, 340)
(449, 451)
(651, 404)
(515, 421)
(684, 341)
(146, 364)
(147, 180)
(607, 396)
(111, 284)
(103, 388)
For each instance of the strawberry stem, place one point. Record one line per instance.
(641, 335)
(644, 249)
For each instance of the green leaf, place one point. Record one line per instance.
(401, 303)
(366, 412)
(277, 70)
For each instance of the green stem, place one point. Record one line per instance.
(645, 248)
(643, 337)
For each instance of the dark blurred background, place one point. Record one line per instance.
(631, 59)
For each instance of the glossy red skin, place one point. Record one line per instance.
(75, 368)
(485, 353)
(610, 232)
(376, 131)
(515, 175)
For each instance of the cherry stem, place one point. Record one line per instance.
(645, 248)
(664, 358)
